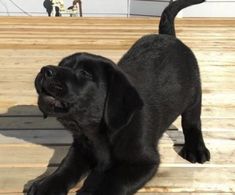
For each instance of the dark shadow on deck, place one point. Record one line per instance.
(25, 113)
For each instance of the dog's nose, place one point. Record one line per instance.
(48, 72)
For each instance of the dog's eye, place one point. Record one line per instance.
(85, 74)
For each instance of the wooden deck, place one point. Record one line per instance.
(30, 146)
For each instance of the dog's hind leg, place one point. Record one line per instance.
(194, 149)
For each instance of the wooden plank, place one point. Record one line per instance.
(27, 75)
(29, 119)
(49, 155)
(45, 55)
(28, 137)
(213, 68)
(225, 111)
(114, 20)
(147, 193)
(128, 23)
(36, 148)
(220, 21)
(211, 40)
(181, 180)
(212, 124)
(209, 90)
(105, 28)
(38, 59)
(106, 33)
(24, 119)
(29, 122)
(99, 45)
(210, 96)
(193, 180)
(110, 32)
(215, 111)
(29, 81)
(63, 137)
(31, 155)
(52, 54)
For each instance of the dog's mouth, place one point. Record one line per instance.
(52, 100)
(48, 103)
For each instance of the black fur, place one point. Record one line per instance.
(117, 114)
(167, 25)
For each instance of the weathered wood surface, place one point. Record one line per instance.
(29, 145)
(28, 148)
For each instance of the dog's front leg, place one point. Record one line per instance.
(123, 179)
(194, 149)
(72, 169)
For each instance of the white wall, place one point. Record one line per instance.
(34, 7)
(215, 8)
(148, 8)
(105, 7)
(211, 8)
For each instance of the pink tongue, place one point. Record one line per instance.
(53, 101)
(58, 104)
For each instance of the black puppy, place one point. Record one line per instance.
(117, 114)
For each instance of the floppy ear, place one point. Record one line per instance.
(122, 101)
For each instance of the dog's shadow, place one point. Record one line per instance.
(29, 119)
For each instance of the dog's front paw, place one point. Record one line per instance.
(46, 187)
(198, 154)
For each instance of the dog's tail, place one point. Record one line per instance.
(167, 25)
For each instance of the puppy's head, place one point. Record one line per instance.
(54, 86)
(89, 87)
